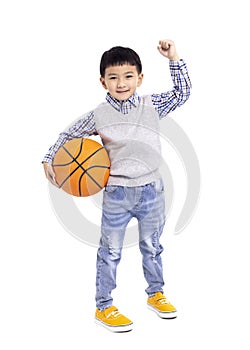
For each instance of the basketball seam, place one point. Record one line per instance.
(80, 179)
(73, 159)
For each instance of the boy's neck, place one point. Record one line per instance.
(133, 98)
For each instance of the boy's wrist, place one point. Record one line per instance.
(175, 58)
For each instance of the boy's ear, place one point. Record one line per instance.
(103, 83)
(140, 77)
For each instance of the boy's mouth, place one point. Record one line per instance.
(121, 91)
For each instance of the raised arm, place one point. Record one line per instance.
(167, 102)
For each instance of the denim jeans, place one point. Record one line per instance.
(120, 204)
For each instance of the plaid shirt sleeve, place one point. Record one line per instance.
(83, 127)
(167, 102)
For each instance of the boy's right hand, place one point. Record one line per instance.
(49, 172)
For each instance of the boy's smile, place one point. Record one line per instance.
(121, 81)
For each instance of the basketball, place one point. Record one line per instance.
(81, 167)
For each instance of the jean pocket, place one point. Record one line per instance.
(158, 186)
(114, 193)
(110, 189)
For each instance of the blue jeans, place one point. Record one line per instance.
(120, 204)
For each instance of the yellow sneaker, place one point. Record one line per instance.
(159, 304)
(111, 319)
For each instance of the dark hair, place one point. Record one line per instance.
(117, 56)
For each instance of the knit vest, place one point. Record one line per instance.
(132, 141)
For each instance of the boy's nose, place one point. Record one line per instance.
(121, 83)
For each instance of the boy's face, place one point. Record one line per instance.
(121, 81)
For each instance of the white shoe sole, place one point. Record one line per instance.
(168, 315)
(115, 329)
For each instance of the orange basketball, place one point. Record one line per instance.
(81, 167)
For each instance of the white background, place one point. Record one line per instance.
(50, 52)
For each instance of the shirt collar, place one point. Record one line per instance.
(120, 105)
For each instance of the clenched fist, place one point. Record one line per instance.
(167, 48)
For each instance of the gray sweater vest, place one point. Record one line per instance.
(132, 141)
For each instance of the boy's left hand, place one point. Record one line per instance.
(167, 48)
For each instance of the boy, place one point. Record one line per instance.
(129, 127)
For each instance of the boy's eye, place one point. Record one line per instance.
(112, 78)
(129, 76)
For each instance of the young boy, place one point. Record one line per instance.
(129, 127)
